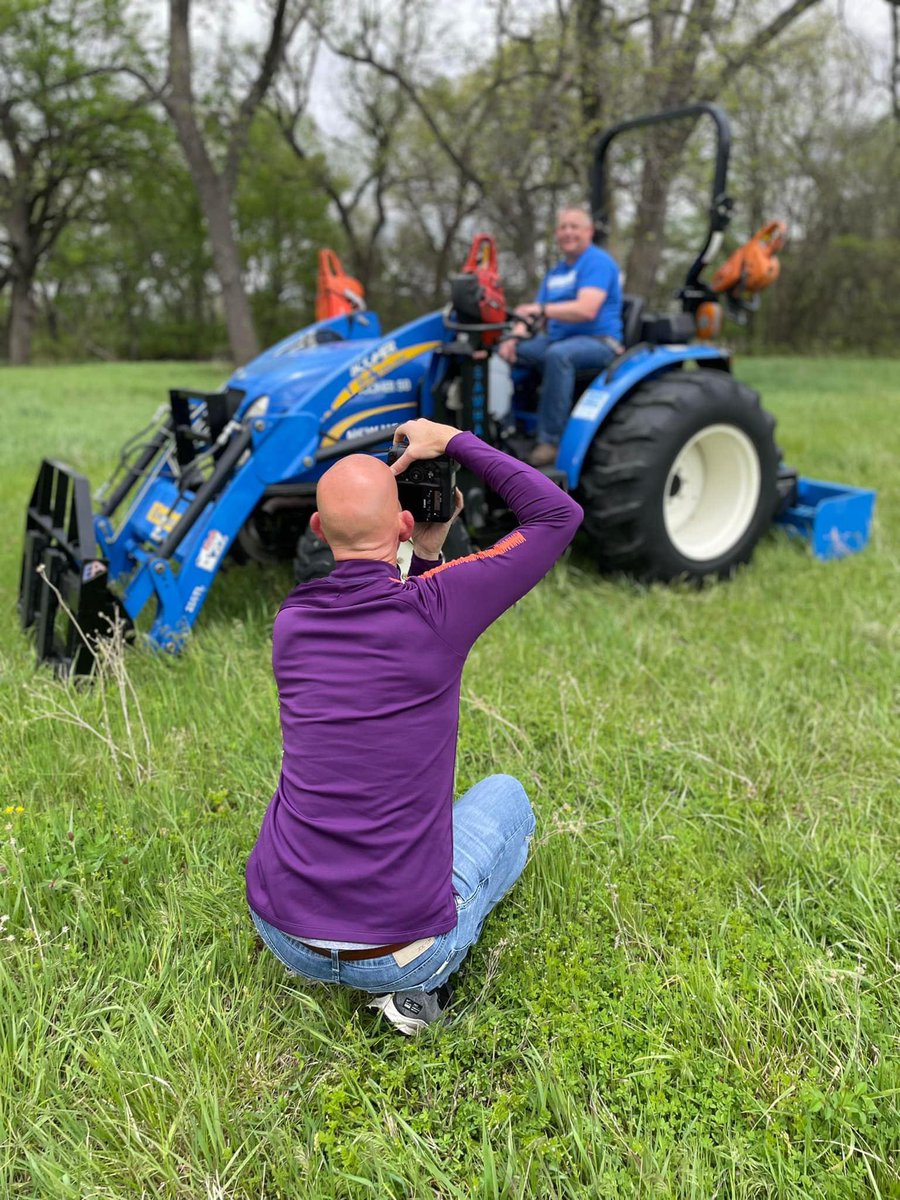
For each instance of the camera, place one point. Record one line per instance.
(426, 489)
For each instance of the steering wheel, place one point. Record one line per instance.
(532, 326)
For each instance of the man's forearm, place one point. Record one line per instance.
(464, 596)
(570, 311)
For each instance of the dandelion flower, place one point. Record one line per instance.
(20, 808)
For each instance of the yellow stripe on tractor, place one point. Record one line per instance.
(372, 374)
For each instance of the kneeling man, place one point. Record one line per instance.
(365, 872)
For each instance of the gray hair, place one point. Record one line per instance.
(576, 206)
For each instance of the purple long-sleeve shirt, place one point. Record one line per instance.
(357, 842)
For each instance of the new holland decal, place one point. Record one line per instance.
(380, 362)
(352, 427)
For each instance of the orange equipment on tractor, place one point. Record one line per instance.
(748, 271)
(337, 293)
(477, 291)
(753, 266)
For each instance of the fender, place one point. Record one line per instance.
(628, 372)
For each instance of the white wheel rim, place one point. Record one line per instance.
(712, 492)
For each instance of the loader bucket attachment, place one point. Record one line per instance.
(63, 591)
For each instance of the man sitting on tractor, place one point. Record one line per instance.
(580, 304)
(365, 872)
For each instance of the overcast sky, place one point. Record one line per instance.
(869, 20)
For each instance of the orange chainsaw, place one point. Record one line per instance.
(750, 269)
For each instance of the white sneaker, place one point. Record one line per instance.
(411, 1012)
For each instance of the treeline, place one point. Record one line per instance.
(165, 183)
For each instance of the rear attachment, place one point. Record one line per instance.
(63, 590)
(835, 519)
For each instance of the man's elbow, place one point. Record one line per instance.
(563, 514)
(571, 515)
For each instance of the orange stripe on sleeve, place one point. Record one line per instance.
(502, 547)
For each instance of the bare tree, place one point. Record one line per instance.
(895, 57)
(686, 63)
(486, 139)
(215, 176)
(358, 172)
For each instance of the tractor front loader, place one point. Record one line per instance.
(234, 468)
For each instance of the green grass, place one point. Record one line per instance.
(694, 991)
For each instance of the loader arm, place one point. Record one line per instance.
(166, 522)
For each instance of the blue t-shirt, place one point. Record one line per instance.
(596, 269)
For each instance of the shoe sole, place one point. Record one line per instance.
(408, 1026)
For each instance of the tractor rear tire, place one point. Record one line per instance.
(680, 481)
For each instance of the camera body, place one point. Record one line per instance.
(426, 489)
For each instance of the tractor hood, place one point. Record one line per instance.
(343, 364)
(297, 366)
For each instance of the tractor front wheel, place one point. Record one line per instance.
(680, 481)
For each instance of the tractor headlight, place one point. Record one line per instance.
(257, 409)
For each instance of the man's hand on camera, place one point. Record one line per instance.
(428, 537)
(427, 439)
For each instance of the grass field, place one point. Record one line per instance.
(694, 991)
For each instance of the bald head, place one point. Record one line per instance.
(358, 510)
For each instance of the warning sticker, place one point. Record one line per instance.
(211, 551)
(162, 517)
(194, 600)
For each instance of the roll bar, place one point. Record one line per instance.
(720, 204)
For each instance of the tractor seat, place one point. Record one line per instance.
(632, 321)
(632, 318)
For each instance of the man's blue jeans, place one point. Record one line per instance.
(559, 361)
(492, 827)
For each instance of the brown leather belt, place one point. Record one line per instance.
(356, 955)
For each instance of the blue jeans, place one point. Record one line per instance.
(559, 361)
(492, 827)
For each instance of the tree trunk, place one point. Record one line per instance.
(214, 188)
(21, 319)
(895, 57)
(663, 152)
(217, 205)
(590, 25)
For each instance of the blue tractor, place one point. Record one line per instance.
(672, 458)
